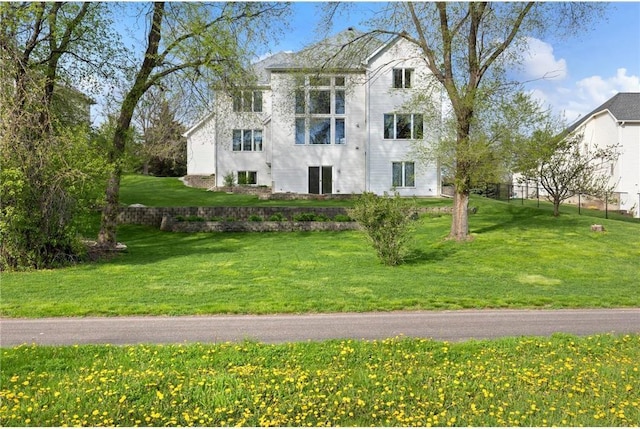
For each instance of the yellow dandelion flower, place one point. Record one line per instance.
(160, 395)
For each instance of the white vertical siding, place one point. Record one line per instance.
(383, 98)
(603, 130)
(201, 149)
(363, 163)
(291, 162)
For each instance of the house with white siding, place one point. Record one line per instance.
(617, 122)
(342, 116)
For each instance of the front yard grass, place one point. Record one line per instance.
(558, 381)
(521, 257)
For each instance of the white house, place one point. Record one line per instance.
(617, 121)
(339, 117)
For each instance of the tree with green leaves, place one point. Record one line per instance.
(468, 47)
(50, 167)
(199, 42)
(162, 149)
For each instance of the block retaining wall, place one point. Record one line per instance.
(257, 226)
(152, 216)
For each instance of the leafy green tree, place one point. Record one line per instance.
(468, 47)
(387, 222)
(162, 150)
(201, 42)
(50, 167)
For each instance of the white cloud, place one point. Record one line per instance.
(539, 61)
(586, 94)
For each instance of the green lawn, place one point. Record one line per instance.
(558, 381)
(170, 192)
(521, 257)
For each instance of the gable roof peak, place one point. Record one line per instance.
(624, 106)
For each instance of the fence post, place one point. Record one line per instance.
(579, 205)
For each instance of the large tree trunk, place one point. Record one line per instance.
(462, 180)
(556, 207)
(460, 221)
(109, 221)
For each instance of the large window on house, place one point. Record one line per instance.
(247, 101)
(403, 174)
(247, 178)
(247, 141)
(403, 126)
(320, 108)
(402, 78)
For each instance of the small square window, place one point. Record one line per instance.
(402, 78)
(339, 81)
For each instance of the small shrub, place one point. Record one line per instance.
(342, 218)
(304, 217)
(180, 218)
(255, 218)
(230, 219)
(215, 219)
(387, 221)
(194, 218)
(276, 217)
(229, 179)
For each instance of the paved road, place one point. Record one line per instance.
(441, 325)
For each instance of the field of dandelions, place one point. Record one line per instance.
(562, 380)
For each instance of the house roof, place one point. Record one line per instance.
(624, 106)
(347, 50)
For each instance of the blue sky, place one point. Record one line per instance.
(595, 65)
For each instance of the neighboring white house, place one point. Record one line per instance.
(617, 121)
(339, 117)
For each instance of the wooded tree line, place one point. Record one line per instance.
(54, 167)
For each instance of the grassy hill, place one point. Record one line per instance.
(521, 257)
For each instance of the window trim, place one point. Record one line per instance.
(403, 174)
(243, 133)
(241, 99)
(307, 113)
(406, 77)
(247, 175)
(416, 133)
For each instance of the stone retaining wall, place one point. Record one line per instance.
(257, 226)
(153, 215)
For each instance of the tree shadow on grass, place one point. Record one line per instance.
(148, 246)
(516, 217)
(435, 254)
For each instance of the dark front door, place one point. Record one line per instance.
(327, 184)
(320, 180)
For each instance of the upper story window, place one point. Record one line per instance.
(403, 126)
(402, 78)
(247, 101)
(247, 141)
(320, 110)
